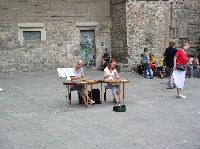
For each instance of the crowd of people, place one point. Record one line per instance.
(149, 66)
(174, 64)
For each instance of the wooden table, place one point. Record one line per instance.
(117, 81)
(83, 82)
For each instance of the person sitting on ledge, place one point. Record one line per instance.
(105, 58)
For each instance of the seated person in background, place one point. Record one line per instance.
(190, 66)
(161, 68)
(110, 73)
(196, 65)
(153, 62)
(79, 75)
(105, 58)
(140, 66)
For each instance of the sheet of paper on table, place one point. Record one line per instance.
(65, 72)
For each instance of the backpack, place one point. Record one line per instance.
(95, 95)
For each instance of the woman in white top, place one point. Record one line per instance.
(110, 73)
(79, 75)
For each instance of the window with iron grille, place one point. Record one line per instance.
(32, 35)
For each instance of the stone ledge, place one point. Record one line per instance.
(123, 67)
(87, 24)
(31, 25)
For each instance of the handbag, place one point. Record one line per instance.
(121, 108)
(180, 67)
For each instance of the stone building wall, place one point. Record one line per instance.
(119, 30)
(147, 26)
(152, 24)
(62, 20)
(186, 21)
(124, 26)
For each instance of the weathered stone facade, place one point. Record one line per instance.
(153, 23)
(148, 26)
(63, 20)
(186, 21)
(119, 30)
(124, 26)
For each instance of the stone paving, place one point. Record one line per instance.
(33, 115)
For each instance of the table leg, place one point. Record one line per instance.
(87, 93)
(123, 91)
(101, 93)
(69, 102)
(119, 91)
(91, 92)
(68, 99)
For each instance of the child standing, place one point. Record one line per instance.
(147, 69)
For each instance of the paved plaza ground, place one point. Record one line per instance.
(33, 115)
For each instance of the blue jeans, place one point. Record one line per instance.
(190, 67)
(170, 71)
(114, 88)
(79, 88)
(171, 81)
(147, 69)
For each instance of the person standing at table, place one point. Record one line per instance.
(79, 75)
(181, 58)
(110, 73)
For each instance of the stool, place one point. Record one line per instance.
(79, 97)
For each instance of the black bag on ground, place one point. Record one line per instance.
(95, 95)
(80, 99)
(121, 108)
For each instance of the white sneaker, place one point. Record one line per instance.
(182, 96)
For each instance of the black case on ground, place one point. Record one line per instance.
(121, 108)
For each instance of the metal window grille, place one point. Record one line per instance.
(32, 35)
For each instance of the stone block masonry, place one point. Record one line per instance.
(123, 26)
(59, 45)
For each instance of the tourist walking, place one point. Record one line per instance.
(169, 61)
(180, 62)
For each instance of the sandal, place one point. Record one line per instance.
(88, 106)
(117, 104)
(92, 102)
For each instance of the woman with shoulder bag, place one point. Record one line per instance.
(180, 62)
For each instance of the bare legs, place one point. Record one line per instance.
(179, 95)
(116, 97)
(178, 91)
(85, 97)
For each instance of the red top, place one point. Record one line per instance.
(182, 57)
